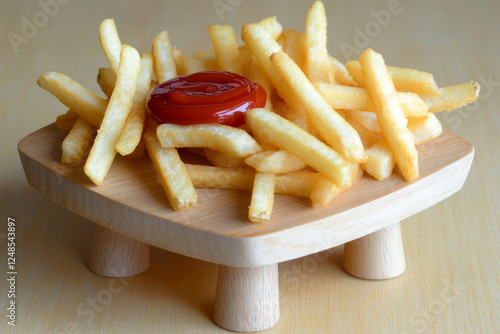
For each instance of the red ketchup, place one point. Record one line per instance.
(205, 97)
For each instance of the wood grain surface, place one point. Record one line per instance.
(451, 283)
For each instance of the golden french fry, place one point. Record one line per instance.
(404, 79)
(106, 79)
(223, 159)
(294, 45)
(389, 113)
(272, 26)
(221, 177)
(274, 162)
(330, 125)
(368, 138)
(452, 97)
(134, 125)
(299, 183)
(261, 204)
(110, 42)
(425, 128)
(342, 97)
(172, 173)
(66, 121)
(412, 104)
(215, 136)
(76, 97)
(208, 58)
(341, 74)
(226, 48)
(163, 58)
(317, 66)
(246, 57)
(193, 64)
(380, 160)
(256, 74)
(262, 45)
(366, 118)
(290, 137)
(103, 151)
(77, 142)
(179, 57)
(324, 191)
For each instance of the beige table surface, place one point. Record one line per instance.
(451, 284)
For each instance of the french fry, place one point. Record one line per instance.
(342, 97)
(341, 74)
(366, 118)
(368, 138)
(208, 58)
(324, 190)
(193, 64)
(223, 159)
(389, 113)
(380, 160)
(452, 97)
(172, 173)
(246, 56)
(134, 125)
(163, 58)
(221, 177)
(299, 183)
(425, 129)
(317, 66)
(261, 204)
(272, 26)
(76, 97)
(77, 142)
(66, 121)
(106, 79)
(274, 162)
(262, 45)
(215, 136)
(256, 74)
(110, 42)
(404, 79)
(226, 48)
(330, 125)
(293, 139)
(179, 57)
(103, 151)
(294, 45)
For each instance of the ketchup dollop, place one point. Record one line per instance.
(205, 97)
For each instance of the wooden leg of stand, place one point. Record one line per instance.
(379, 255)
(247, 299)
(116, 255)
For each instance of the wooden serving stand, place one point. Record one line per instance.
(131, 212)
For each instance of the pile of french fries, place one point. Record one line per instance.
(325, 123)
